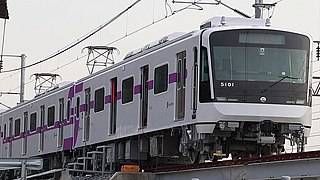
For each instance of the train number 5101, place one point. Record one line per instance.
(227, 84)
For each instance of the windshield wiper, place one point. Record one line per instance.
(282, 78)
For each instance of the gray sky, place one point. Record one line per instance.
(39, 28)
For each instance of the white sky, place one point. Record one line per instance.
(38, 28)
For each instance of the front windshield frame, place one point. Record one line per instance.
(282, 89)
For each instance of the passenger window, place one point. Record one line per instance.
(17, 127)
(99, 100)
(161, 79)
(33, 122)
(127, 90)
(5, 131)
(78, 107)
(68, 110)
(51, 113)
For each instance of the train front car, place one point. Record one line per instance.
(254, 92)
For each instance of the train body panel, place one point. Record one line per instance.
(199, 95)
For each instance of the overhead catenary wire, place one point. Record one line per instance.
(117, 40)
(79, 40)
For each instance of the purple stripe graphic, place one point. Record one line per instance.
(83, 107)
(150, 84)
(107, 99)
(137, 89)
(172, 78)
(91, 104)
(71, 141)
(67, 143)
(38, 130)
(57, 124)
(75, 132)
(79, 88)
(71, 93)
(119, 95)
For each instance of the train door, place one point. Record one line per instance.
(144, 96)
(195, 83)
(25, 129)
(113, 106)
(181, 85)
(61, 122)
(41, 137)
(87, 114)
(10, 137)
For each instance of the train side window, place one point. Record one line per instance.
(113, 106)
(78, 107)
(17, 127)
(51, 113)
(99, 100)
(68, 110)
(127, 90)
(33, 122)
(161, 79)
(5, 131)
(204, 94)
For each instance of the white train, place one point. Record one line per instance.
(236, 86)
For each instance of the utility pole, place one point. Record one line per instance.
(22, 77)
(22, 74)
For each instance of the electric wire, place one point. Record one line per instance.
(70, 46)
(117, 40)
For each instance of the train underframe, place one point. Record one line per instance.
(240, 140)
(184, 145)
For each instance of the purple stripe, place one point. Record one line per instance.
(83, 107)
(137, 89)
(172, 78)
(75, 132)
(66, 122)
(38, 130)
(119, 95)
(91, 104)
(23, 135)
(67, 143)
(72, 111)
(79, 88)
(107, 99)
(71, 93)
(150, 84)
(57, 124)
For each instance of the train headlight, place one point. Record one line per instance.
(263, 99)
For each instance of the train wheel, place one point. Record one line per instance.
(194, 156)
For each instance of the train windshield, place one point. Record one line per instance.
(260, 56)
(257, 59)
